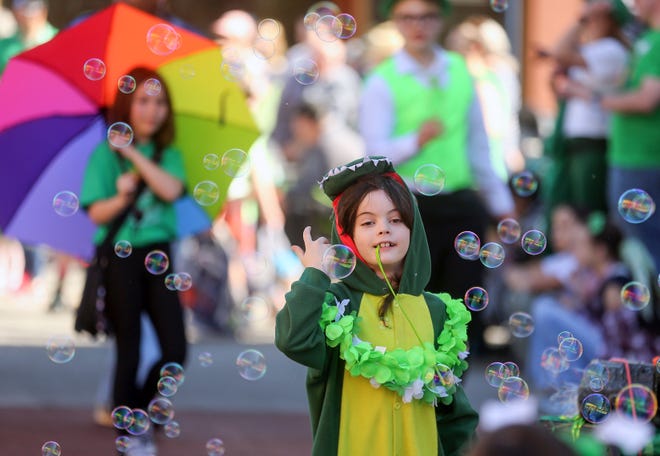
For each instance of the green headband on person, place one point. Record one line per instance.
(385, 6)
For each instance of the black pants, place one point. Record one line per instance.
(444, 217)
(130, 290)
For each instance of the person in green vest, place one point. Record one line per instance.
(384, 356)
(33, 29)
(634, 146)
(420, 108)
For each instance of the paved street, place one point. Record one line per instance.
(41, 400)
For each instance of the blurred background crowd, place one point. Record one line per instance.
(543, 75)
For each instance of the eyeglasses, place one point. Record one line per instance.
(422, 19)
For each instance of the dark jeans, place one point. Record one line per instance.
(444, 217)
(130, 290)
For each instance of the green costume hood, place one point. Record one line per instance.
(417, 264)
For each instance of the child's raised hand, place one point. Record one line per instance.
(314, 249)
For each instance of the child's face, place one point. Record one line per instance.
(148, 112)
(419, 23)
(378, 222)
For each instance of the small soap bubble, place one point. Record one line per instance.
(171, 281)
(184, 282)
(637, 401)
(553, 362)
(60, 349)
(120, 134)
(511, 369)
(152, 86)
(122, 417)
(521, 324)
(467, 244)
(328, 28)
(215, 447)
(206, 193)
(264, 49)
(492, 255)
(598, 375)
(338, 261)
(508, 230)
(156, 262)
(174, 370)
(268, 29)
(172, 429)
(499, 6)
(254, 308)
(140, 424)
(51, 448)
(524, 183)
(123, 249)
(163, 39)
(310, 20)
(94, 69)
(636, 206)
(167, 386)
(476, 299)
(512, 389)
(563, 335)
(429, 179)
(595, 408)
(443, 378)
(305, 71)
(251, 364)
(211, 162)
(232, 67)
(571, 349)
(495, 374)
(205, 359)
(122, 443)
(161, 410)
(533, 242)
(635, 295)
(348, 26)
(235, 163)
(126, 84)
(66, 203)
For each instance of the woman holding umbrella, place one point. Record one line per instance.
(146, 174)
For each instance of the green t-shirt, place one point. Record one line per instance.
(158, 221)
(14, 45)
(635, 138)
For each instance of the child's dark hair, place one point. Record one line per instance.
(350, 200)
(120, 110)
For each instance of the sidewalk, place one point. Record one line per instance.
(24, 431)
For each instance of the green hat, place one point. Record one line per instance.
(338, 179)
(385, 6)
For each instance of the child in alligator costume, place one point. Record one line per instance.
(384, 357)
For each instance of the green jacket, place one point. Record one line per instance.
(299, 336)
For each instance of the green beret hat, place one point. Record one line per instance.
(340, 178)
(385, 6)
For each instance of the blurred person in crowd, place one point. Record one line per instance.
(420, 107)
(377, 44)
(147, 174)
(592, 291)
(32, 30)
(7, 22)
(633, 154)
(334, 94)
(591, 56)
(12, 265)
(305, 161)
(487, 51)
